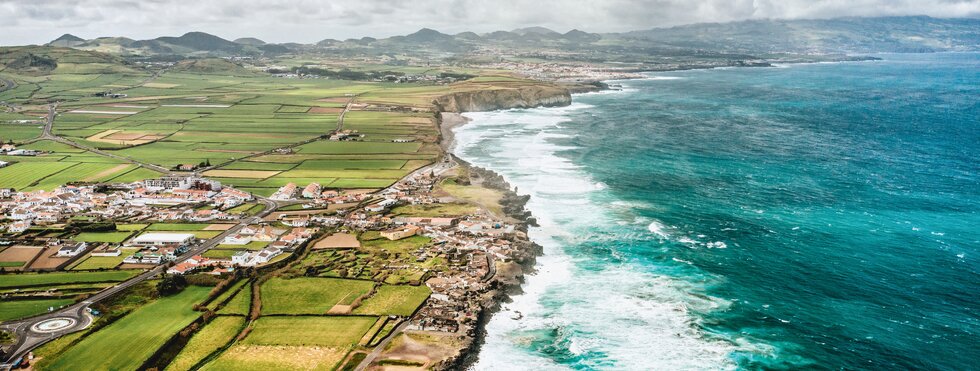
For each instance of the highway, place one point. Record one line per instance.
(28, 338)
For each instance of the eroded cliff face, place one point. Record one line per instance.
(504, 98)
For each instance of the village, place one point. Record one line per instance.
(187, 224)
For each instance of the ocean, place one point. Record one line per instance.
(816, 216)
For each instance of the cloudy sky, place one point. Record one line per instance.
(39, 21)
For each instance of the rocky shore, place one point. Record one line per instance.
(510, 275)
(540, 95)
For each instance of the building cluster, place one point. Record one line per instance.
(158, 248)
(278, 240)
(567, 71)
(470, 246)
(12, 150)
(315, 192)
(165, 199)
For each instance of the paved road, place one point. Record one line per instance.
(46, 134)
(30, 339)
(438, 168)
(7, 84)
(381, 346)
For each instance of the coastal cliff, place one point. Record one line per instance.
(504, 98)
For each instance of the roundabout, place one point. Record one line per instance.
(53, 325)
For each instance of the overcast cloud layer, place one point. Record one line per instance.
(39, 21)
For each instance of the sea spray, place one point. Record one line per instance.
(566, 321)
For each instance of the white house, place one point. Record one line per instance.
(266, 254)
(20, 226)
(237, 239)
(72, 249)
(241, 258)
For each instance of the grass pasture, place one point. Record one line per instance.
(277, 357)
(14, 309)
(135, 337)
(55, 278)
(394, 300)
(240, 303)
(329, 331)
(310, 295)
(114, 237)
(212, 337)
(99, 262)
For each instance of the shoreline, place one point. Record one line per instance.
(504, 287)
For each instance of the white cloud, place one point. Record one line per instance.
(38, 21)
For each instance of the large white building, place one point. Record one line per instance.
(162, 239)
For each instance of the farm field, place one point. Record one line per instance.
(394, 300)
(277, 357)
(240, 303)
(229, 292)
(403, 246)
(310, 295)
(40, 279)
(17, 256)
(114, 237)
(329, 331)
(135, 337)
(14, 309)
(99, 262)
(219, 332)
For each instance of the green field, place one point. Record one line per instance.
(130, 227)
(38, 279)
(99, 262)
(135, 337)
(330, 331)
(170, 227)
(240, 304)
(14, 309)
(394, 300)
(227, 293)
(22, 175)
(114, 237)
(310, 295)
(212, 337)
(276, 357)
(403, 246)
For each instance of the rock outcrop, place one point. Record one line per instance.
(504, 98)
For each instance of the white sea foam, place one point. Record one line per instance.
(658, 229)
(588, 310)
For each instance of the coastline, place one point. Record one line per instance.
(506, 285)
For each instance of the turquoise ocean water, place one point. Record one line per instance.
(819, 216)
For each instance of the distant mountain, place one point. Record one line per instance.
(502, 36)
(201, 41)
(249, 41)
(841, 35)
(467, 36)
(67, 40)
(581, 36)
(428, 35)
(540, 31)
(735, 40)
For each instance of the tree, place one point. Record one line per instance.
(171, 284)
